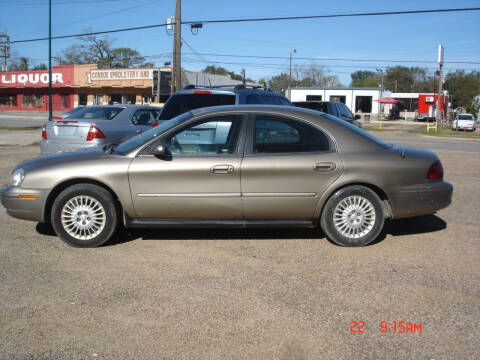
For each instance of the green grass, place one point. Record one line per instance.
(447, 132)
(14, 128)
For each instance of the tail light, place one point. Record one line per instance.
(44, 132)
(202, 92)
(95, 133)
(435, 171)
(56, 118)
(155, 123)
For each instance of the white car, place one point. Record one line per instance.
(464, 122)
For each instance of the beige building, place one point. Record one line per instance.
(94, 86)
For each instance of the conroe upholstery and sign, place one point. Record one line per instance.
(28, 90)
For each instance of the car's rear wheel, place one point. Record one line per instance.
(85, 215)
(353, 216)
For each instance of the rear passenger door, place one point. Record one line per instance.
(287, 166)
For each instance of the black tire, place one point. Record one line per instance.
(368, 228)
(109, 218)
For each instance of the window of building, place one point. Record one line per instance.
(128, 99)
(32, 101)
(98, 99)
(115, 99)
(363, 104)
(8, 100)
(275, 134)
(314, 97)
(82, 99)
(65, 101)
(338, 98)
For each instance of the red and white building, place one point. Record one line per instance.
(28, 90)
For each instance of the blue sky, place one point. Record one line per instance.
(399, 37)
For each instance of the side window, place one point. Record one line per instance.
(282, 101)
(143, 117)
(253, 99)
(269, 100)
(345, 111)
(212, 136)
(275, 134)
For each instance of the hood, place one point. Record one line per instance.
(62, 158)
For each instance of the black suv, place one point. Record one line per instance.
(334, 108)
(197, 97)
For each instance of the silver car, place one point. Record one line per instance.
(94, 126)
(232, 166)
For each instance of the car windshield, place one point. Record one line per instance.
(132, 143)
(465, 117)
(97, 112)
(181, 103)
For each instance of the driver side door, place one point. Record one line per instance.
(199, 176)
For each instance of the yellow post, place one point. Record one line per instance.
(433, 126)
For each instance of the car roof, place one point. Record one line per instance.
(255, 107)
(233, 89)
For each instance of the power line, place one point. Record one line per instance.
(340, 59)
(383, 13)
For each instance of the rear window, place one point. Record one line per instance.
(179, 104)
(95, 112)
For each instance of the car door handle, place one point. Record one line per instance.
(324, 166)
(222, 169)
(139, 131)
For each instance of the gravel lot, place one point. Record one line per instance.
(232, 294)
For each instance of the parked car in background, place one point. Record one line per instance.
(334, 108)
(464, 122)
(197, 97)
(68, 113)
(232, 166)
(94, 126)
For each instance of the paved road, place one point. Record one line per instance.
(22, 120)
(436, 144)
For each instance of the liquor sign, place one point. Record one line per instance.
(119, 74)
(61, 76)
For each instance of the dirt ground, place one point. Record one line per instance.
(257, 294)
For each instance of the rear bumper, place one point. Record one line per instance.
(24, 208)
(47, 147)
(421, 199)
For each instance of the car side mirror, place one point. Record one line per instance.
(158, 150)
(357, 117)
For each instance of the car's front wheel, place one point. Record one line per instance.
(85, 215)
(353, 216)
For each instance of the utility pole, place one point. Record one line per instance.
(290, 76)
(439, 113)
(49, 60)
(177, 49)
(5, 50)
(380, 71)
(243, 77)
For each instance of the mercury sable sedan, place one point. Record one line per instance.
(232, 166)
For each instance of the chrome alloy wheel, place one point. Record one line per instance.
(83, 217)
(354, 216)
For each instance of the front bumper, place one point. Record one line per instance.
(422, 199)
(26, 208)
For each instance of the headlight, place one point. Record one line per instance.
(17, 177)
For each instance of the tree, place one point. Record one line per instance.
(364, 79)
(464, 87)
(331, 81)
(279, 83)
(98, 51)
(211, 69)
(21, 64)
(40, 67)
